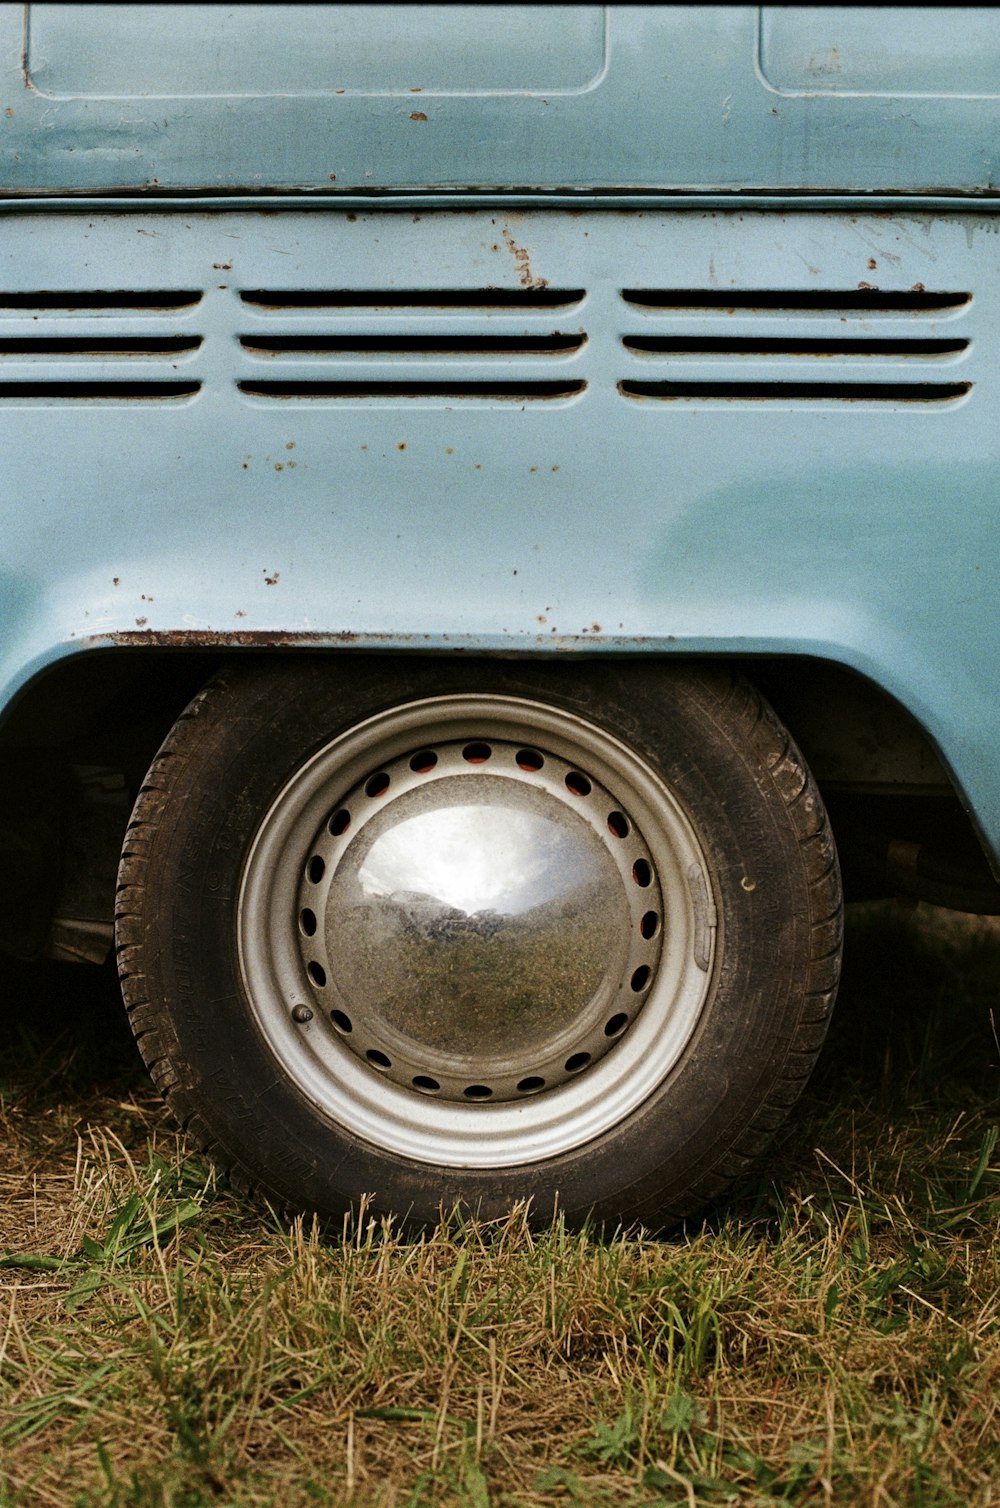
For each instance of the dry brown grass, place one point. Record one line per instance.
(830, 1336)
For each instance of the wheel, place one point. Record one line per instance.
(475, 933)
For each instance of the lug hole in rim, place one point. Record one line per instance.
(316, 973)
(640, 978)
(424, 1082)
(378, 1059)
(339, 822)
(616, 1025)
(316, 869)
(476, 753)
(342, 1022)
(650, 925)
(641, 873)
(307, 921)
(529, 759)
(423, 762)
(578, 784)
(531, 1084)
(478, 1092)
(578, 1061)
(618, 824)
(377, 785)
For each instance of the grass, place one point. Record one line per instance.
(829, 1336)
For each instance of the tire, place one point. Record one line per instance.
(439, 934)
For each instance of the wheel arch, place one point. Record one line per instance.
(112, 707)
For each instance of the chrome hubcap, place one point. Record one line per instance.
(479, 920)
(476, 931)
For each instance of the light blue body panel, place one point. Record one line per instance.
(839, 501)
(374, 98)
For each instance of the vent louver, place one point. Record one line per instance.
(414, 298)
(762, 357)
(68, 300)
(117, 350)
(830, 301)
(454, 343)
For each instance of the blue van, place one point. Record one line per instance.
(495, 499)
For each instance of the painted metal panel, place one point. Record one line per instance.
(526, 432)
(373, 98)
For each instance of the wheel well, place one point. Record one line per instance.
(116, 706)
(93, 722)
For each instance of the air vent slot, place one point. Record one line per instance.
(415, 298)
(755, 345)
(858, 392)
(512, 390)
(97, 390)
(413, 345)
(121, 301)
(833, 301)
(99, 345)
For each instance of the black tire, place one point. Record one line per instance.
(769, 971)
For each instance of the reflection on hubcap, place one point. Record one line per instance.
(479, 921)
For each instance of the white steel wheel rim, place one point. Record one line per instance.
(302, 986)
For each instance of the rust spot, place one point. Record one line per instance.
(292, 465)
(116, 581)
(239, 613)
(918, 288)
(273, 579)
(144, 598)
(417, 115)
(417, 89)
(333, 177)
(141, 622)
(477, 467)
(872, 264)
(211, 638)
(278, 466)
(352, 219)
(9, 113)
(449, 450)
(522, 260)
(595, 628)
(555, 468)
(401, 445)
(870, 286)
(245, 466)
(542, 618)
(214, 638)
(223, 266)
(532, 468)
(289, 444)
